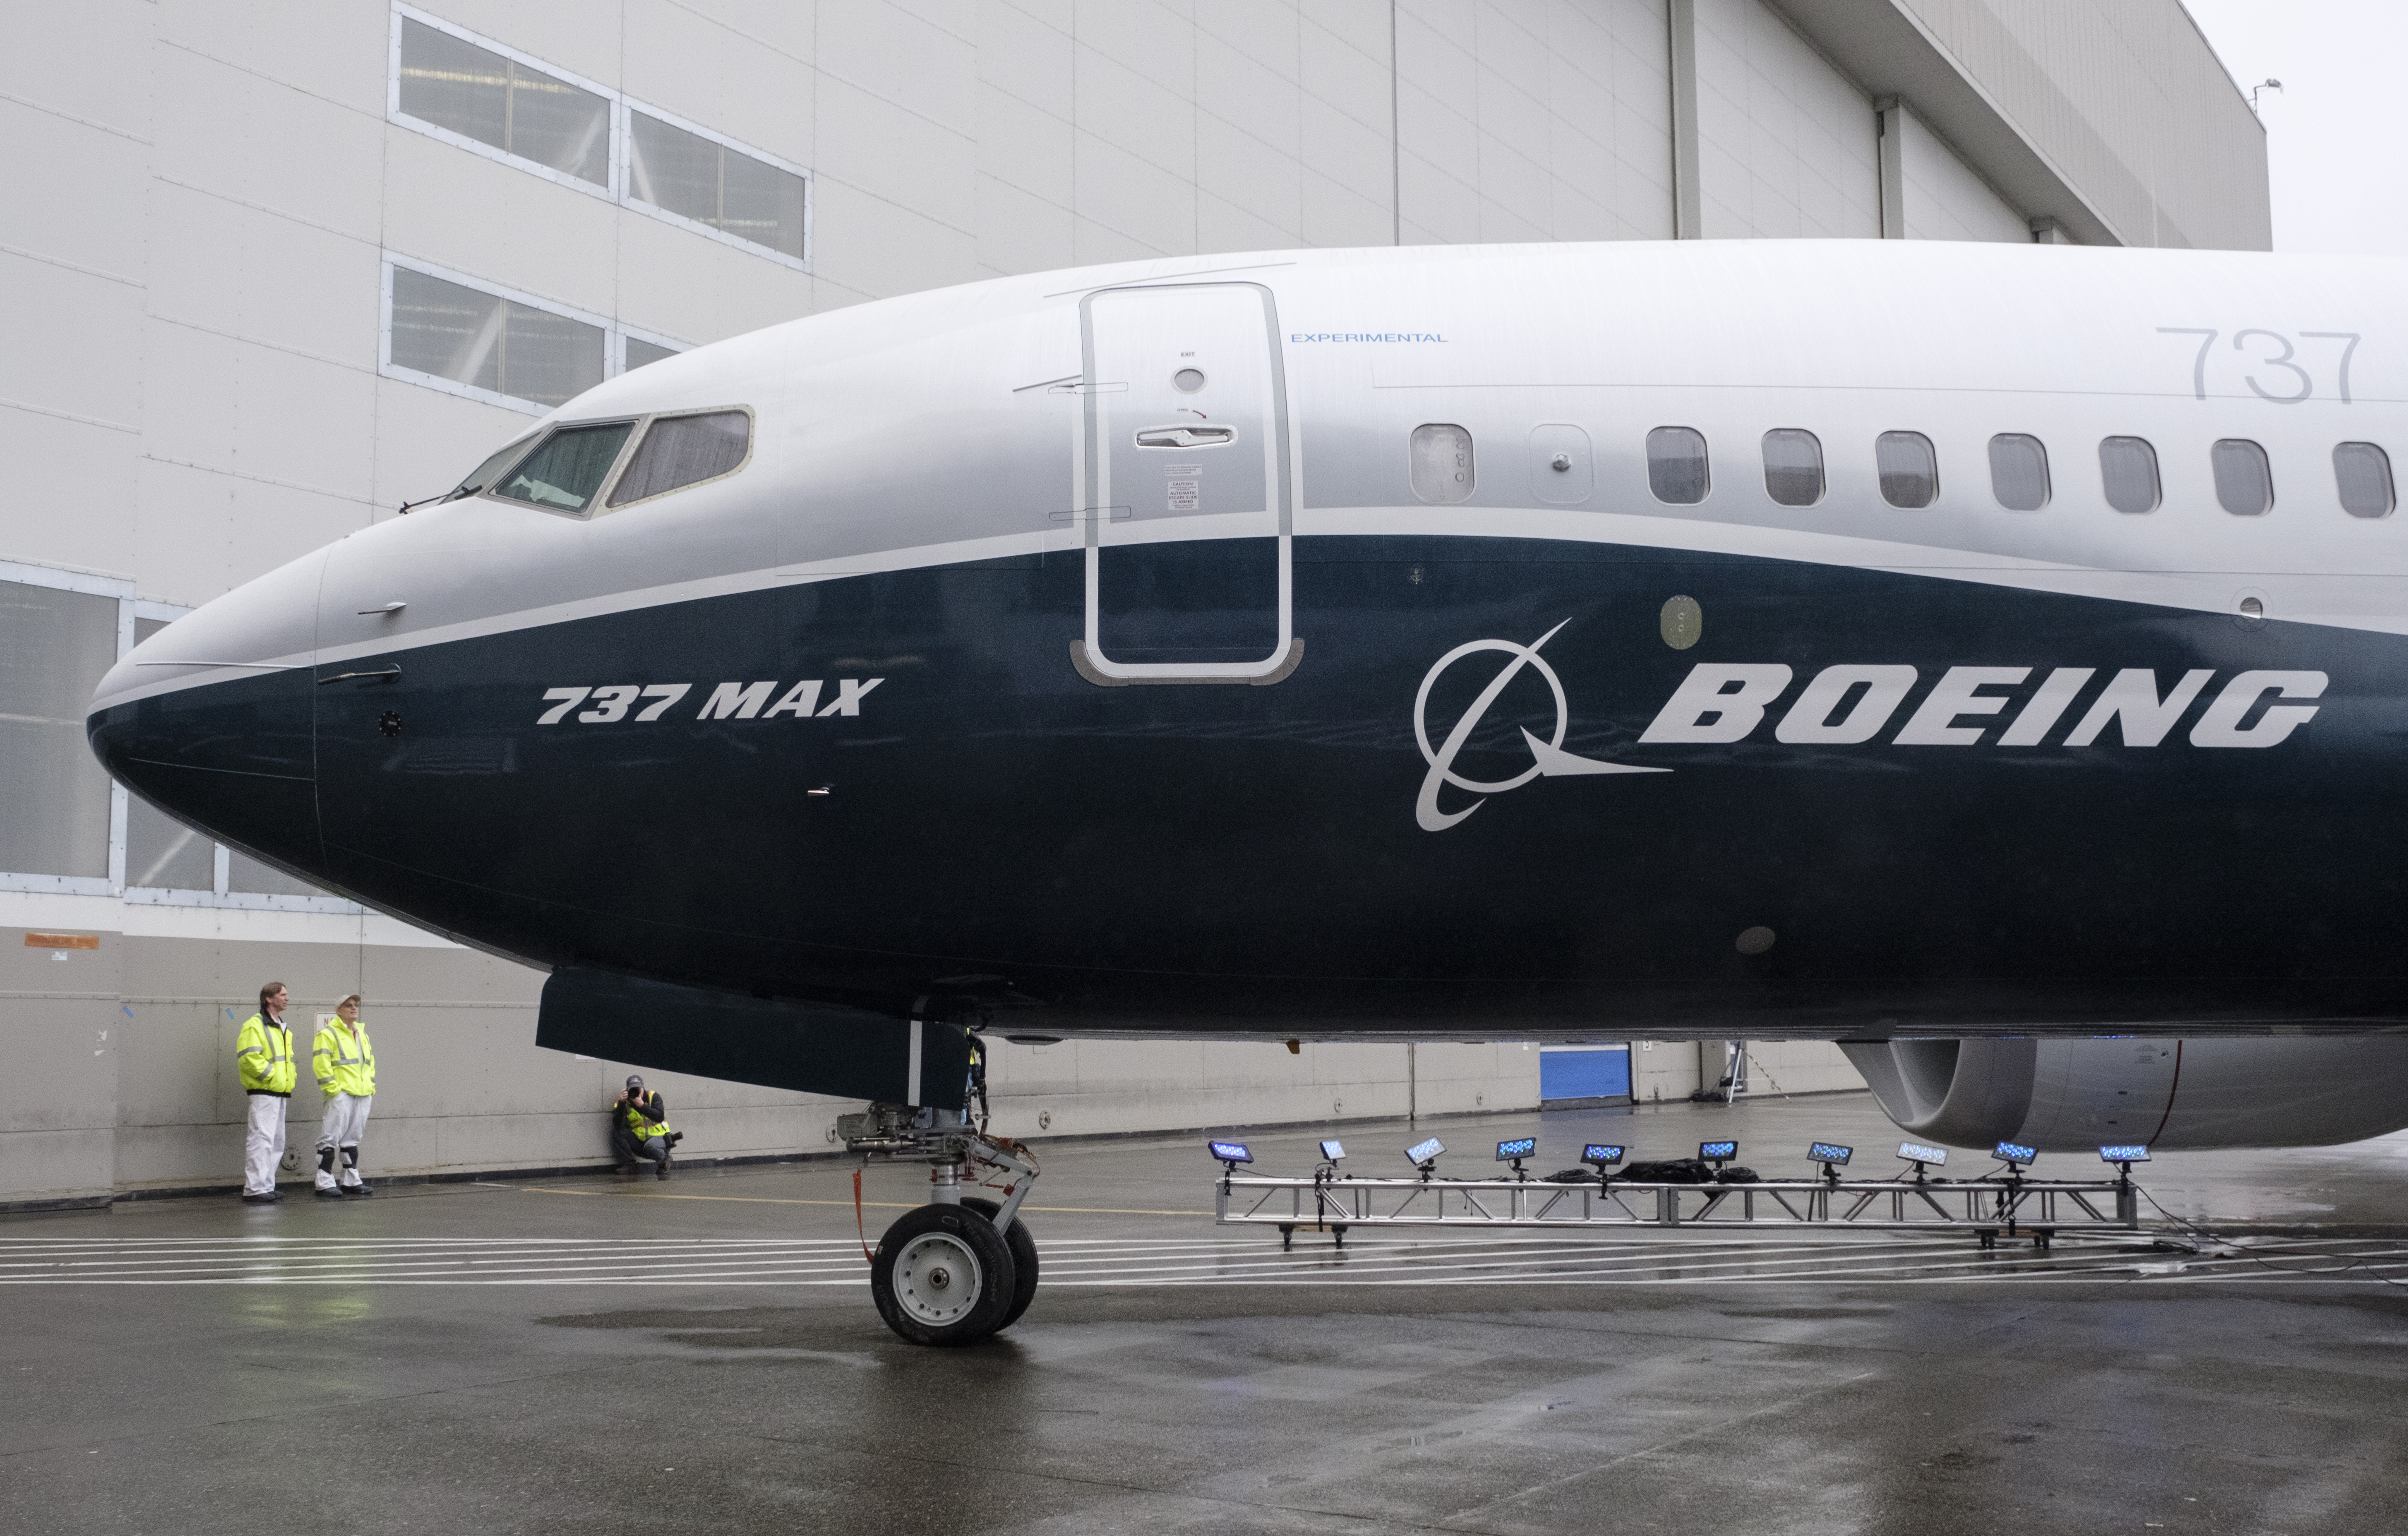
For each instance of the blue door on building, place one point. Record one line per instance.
(1584, 1071)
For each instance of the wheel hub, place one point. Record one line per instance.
(937, 1279)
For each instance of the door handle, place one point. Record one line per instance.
(386, 611)
(1185, 436)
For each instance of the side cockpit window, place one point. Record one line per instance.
(482, 476)
(682, 451)
(564, 474)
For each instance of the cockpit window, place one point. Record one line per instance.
(563, 475)
(483, 474)
(682, 451)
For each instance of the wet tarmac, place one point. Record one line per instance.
(700, 1355)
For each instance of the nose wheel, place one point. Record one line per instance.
(943, 1275)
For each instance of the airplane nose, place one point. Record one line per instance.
(211, 718)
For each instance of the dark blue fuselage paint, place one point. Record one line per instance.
(1000, 839)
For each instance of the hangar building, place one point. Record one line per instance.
(274, 268)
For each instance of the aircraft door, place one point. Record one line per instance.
(1185, 486)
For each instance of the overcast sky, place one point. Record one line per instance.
(2336, 133)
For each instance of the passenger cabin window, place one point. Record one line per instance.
(2362, 474)
(682, 451)
(482, 476)
(2244, 485)
(479, 94)
(1909, 468)
(2018, 472)
(1793, 467)
(562, 474)
(2127, 471)
(1441, 463)
(1676, 465)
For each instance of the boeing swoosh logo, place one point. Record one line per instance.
(1548, 758)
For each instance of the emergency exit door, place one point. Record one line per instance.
(1185, 484)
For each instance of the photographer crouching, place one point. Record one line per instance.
(640, 1130)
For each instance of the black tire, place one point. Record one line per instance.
(943, 1275)
(1024, 1257)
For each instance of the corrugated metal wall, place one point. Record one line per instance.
(2131, 105)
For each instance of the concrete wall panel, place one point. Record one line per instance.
(790, 27)
(427, 440)
(70, 482)
(675, 282)
(446, 205)
(895, 153)
(272, 146)
(1024, 145)
(284, 284)
(1946, 201)
(682, 63)
(89, 63)
(64, 1034)
(335, 50)
(1236, 168)
(1786, 143)
(72, 191)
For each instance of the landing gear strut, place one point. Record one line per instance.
(960, 1267)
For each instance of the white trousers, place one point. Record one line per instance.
(264, 1144)
(346, 1117)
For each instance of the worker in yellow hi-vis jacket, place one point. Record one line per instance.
(345, 1063)
(640, 1130)
(263, 1055)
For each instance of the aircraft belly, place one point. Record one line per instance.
(929, 800)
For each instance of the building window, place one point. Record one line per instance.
(1909, 470)
(477, 93)
(1441, 463)
(1676, 465)
(64, 826)
(55, 644)
(1793, 467)
(712, 183)
(483, 97)
(2362, 474)
(162, 854)
(2127, 471)
(492, 344)
(2019, 472)
(246, 876)
(2244, 483)
(460, 334)
(640, 351)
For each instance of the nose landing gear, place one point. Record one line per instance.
(961, 1268)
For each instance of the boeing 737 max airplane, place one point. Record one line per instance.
(1962, 651)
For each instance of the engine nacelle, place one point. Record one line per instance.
(2075, 1095)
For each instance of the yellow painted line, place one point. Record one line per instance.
(867, 1205)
